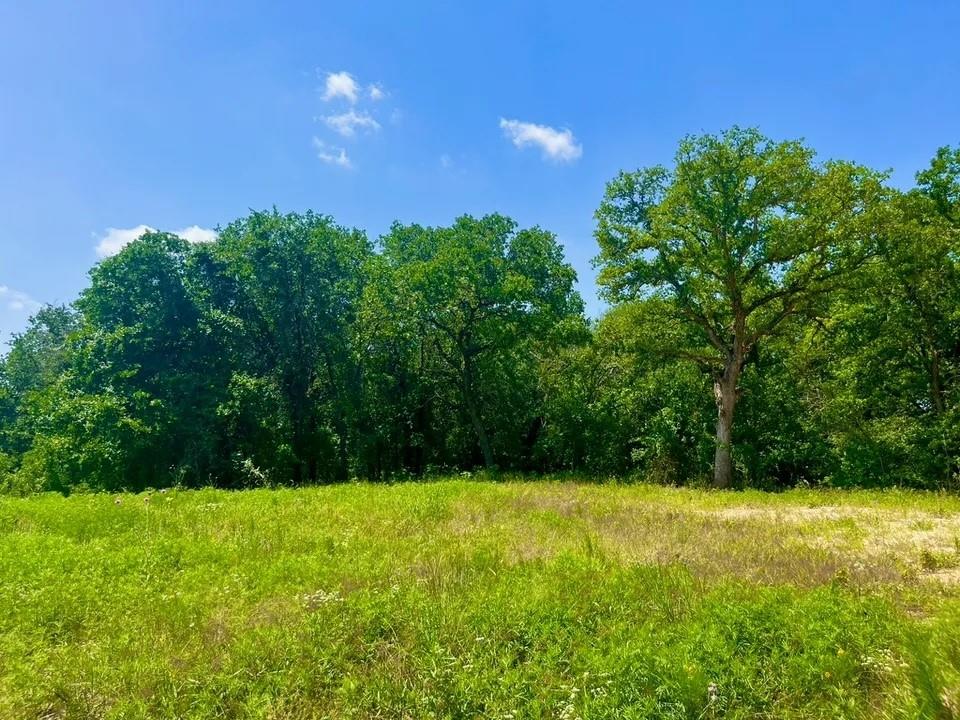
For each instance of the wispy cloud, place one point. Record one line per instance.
(332, 155)
(557, 145)
(17, 301)
(341, 84)
(360, 116)
(347, 123)
(115, 239)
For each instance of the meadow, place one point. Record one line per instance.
(467, 599)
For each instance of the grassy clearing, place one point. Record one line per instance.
(464, 599)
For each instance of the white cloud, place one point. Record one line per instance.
(347, 123)
(115, 239)
(360, 119)
(331, 155)
(17, 301)
(340, 84)
(559, 145)
(197, 234)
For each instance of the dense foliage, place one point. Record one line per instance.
(774, 320)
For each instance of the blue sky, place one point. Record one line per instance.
(182, 115)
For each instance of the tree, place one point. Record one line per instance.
(888, 356)
(742, 234)
(117, 394)
(284, 291)
(411, 419)
(940, 183)
(36, 359)
(476, 292)
(614, 408)
(145, 353)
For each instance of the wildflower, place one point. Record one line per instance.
(116, 501)
(841, 652)
(711, 693)
(313, 601)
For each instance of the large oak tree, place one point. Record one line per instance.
(740, 235)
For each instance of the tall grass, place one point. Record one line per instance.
(461, 600)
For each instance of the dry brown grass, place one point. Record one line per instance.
(771, 544)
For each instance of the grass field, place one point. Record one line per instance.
(461, 599)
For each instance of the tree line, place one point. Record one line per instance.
(772, 320)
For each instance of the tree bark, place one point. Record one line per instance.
(725, 391)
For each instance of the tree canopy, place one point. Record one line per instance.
(740, 236)
(772, 319)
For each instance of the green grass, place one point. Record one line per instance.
(462, 599)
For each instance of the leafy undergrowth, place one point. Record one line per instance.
(462, 599)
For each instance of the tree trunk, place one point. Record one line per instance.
(343, 451)
(482, 436)
(468, 398)
(936, 383)
(725, 392)
(342, 471)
